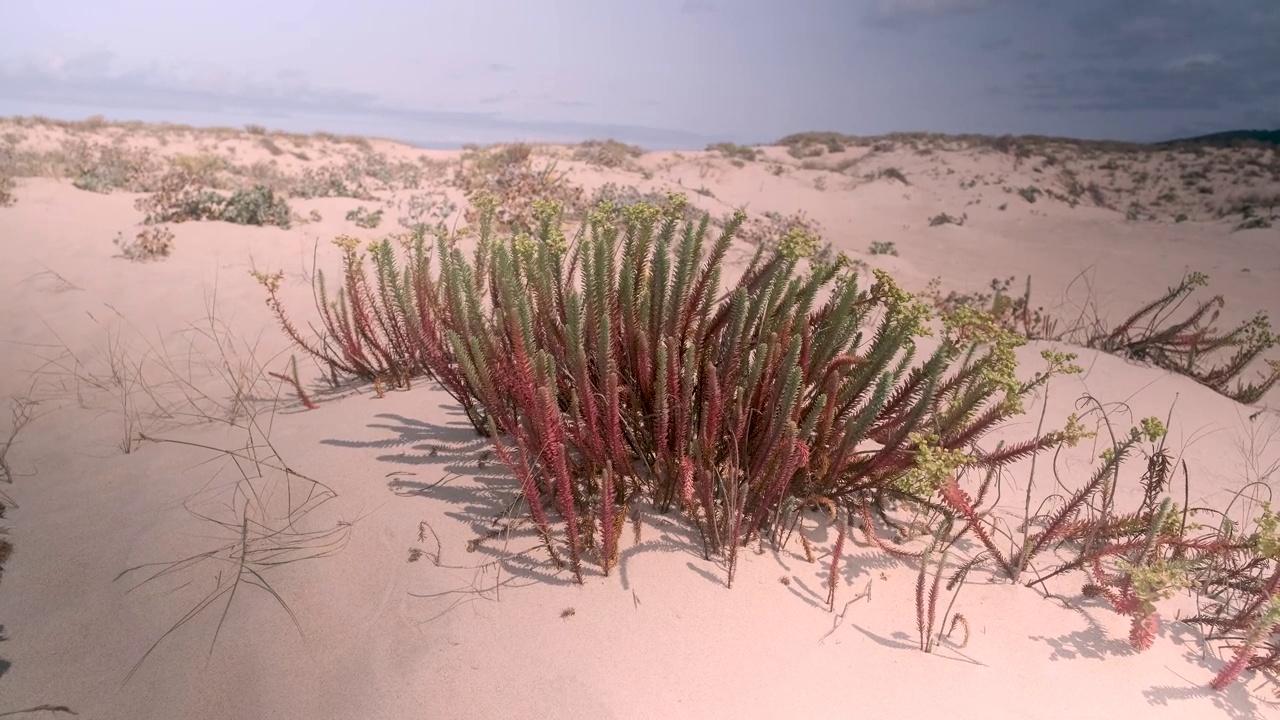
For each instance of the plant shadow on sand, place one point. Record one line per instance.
(487, 499)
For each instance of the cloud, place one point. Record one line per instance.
(1164, 56)
(94, 81)
(906, 12)
(500, 68)
(1195, 62)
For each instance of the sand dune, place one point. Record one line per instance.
(157, 435)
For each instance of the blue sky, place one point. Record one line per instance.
(660, 73)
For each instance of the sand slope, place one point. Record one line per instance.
(394, 612)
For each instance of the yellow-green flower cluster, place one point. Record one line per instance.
(347, 243)
(799, 243)
(902, 305)
(676, 203)
(1266, 539)
(933, 465)
(1072, 433)
(1000, 365)
(1157, 581)
(642, 215)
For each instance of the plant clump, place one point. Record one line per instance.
(181, 199)
(616, 367)
(505, 181)
(151, 243)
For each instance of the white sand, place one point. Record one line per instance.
(486, 634)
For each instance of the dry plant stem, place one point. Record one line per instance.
(833, 576)
(21, 414)
(263, 538)
(1026, 506)
(41, 709)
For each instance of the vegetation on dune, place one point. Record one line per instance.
(617, 366)
(1163, 332)
(613, 368)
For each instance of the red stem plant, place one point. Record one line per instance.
(1151, 334)
(1134, 560)
(619, 366)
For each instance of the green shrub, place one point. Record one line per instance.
(733, 152)
(365, 219)
(181, 200)
(607, 153)
(615, 367)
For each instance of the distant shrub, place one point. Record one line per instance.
(101, 168)
(331, 181)
(1030, 193)
(181, 200)
(6, 191)
(883, 248)
(945, 219)
(607, 153)
(257, 205)
(731, 151)
(271, 146)
(365, 219)
(893, 173)
(151, 243)
(1254, 223)
(507, 177)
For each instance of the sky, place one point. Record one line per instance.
(658, 73)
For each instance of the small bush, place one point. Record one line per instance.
(945, 219)
(151, 243)
(1254, 223)
(736, 409)
(883, 248)
(893, 173)
(365, 219)
(331, 181)
(257, 205)
(607, 153)
(6, 191)
(741, 153)
(506, 178)
(100, 168)
(1030, 193)
(182, 200)
(6, 547)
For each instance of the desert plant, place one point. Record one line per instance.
(365, 219)
(607, 153)
(181, 199)
(6, 191)
(151, 243)
(101, 168)
(945, 219)
(508, 175)
(1152, 334)
(1010, 311)
(606, 370)
(893, 173)
(883, 248)
(330, 181)
(739, 154)
(257, 205)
